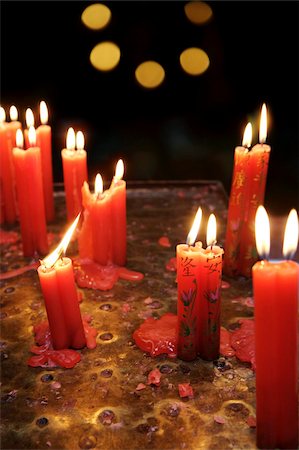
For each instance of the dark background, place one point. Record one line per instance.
(188, 127)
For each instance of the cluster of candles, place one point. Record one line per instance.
(27, 176)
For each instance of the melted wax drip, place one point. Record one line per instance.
(160, 337)
(89, 274)
(46, 357)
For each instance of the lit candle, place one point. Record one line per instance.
(118, 216)
(236, 205)
(74, 163)
(255, 192)
(95, 236)
(275, 287)
(60, 295)
(44, 136)
(30, 122)
(188, 257)
(27, 164)
(7, 188)
(13, 125)
(210, 273)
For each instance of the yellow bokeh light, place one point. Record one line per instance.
(150, 74)
(96, 16)
(105, 56)
(194, 61)
(198, 12)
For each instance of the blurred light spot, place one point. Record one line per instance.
(198, 12)
(96, 16)
(150, 74)
(194, 61)
(105, 56)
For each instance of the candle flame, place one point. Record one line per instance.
(98, 185)
(290, 241)
(29, 118)
(247, 136)
(13, 113)
(191, 238)
(263, 125)
(53, 257)
(119, 170)
(32, 136)
(211, 230)
(2, 114)
(19, 138)
(70, 139)
(262, 232)
(80, 140)
(43, 112)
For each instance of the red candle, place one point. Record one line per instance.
(275, 286)
(74, 164)
(236, 205)
(210, 271)
(44, 142)
(60, 295)
(118, 216)
(8, 203)
(188, 256)
(95, 236)
(27, 164)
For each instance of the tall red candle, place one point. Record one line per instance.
(44, 142)
(95, 235)
(275, 287)
(188, 256)
(236, 206)
(255, 193)
(8, 202)
(74, 163)
(209, 307)
(118, 216)
(61, 299)
(27, 164)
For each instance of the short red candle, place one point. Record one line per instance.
(209, 307)
(27, 164)
(61, 299)
(118, 216)
(44, 142)
(188, 256)
(275, 287)
(74, 164)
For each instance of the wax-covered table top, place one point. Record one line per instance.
(105, 401)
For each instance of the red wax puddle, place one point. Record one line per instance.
(8, 237)
(164, 241)
(94, 276)
(242, 341)
(185, 390)
(154, 377)
(16, 272)
(225, 344)
(171, 265)
(158, 336)
(67, 358)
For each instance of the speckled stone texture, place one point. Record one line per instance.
(96, 404)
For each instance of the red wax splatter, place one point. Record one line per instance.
(219, 419)
(164, 241)
(45, 356)
(140, 386)
(171, 265)
(94, 276)
(242, 341)
(8, 237)
(225, 344)
(154, 377)
(251, 421)
(16, 272)
(225, 284)
(158, 336)
(126, 308)
(185, 390)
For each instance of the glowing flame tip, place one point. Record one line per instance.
(2, 114)
(98, 184)
(43, 112)
(191, 238)
(263, 125)
(119, 170)
(32, 136)
(19, 138)
(80, 140)
(70, 139)
(262, 232)
(13, 113)
(247, 137)
(29, 118)
(211, 230)
(290, 241)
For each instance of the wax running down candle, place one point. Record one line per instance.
(60, 295)
(275, 287)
